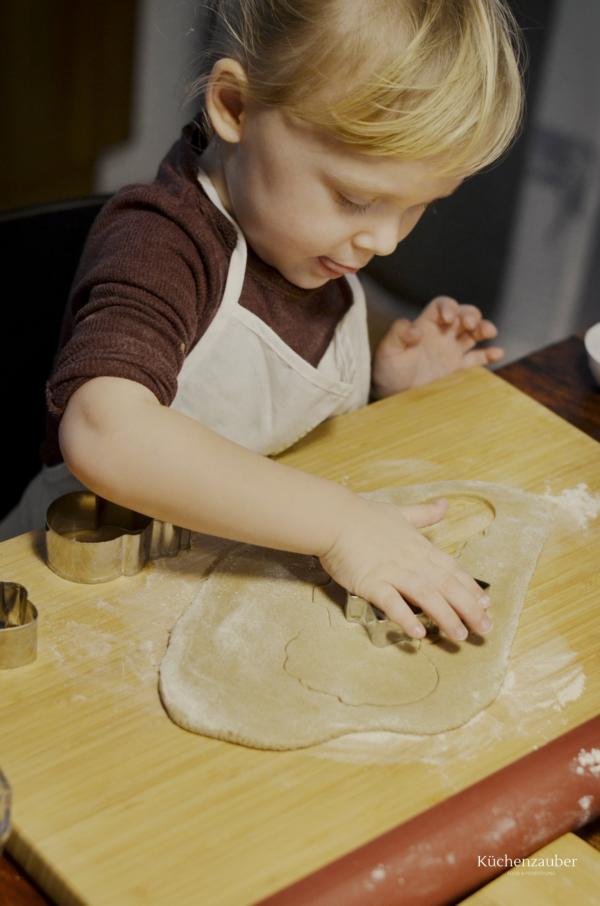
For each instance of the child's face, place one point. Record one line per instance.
(314, 209)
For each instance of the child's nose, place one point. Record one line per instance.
(380, 239)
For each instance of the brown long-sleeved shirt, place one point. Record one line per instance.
(151, 278)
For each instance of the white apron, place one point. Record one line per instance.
(242, 381)
(245, 383)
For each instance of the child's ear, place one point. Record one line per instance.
(226, 98)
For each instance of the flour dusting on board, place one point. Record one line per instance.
(543, 679)
(577, 506)
(114, 647)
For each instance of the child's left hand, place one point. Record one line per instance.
(441, 340)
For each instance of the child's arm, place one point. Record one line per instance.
(124, 445)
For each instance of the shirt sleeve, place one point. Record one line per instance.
(140, 297)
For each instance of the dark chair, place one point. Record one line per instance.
(41, 247)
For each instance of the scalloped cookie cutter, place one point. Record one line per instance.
(18, 626)
(90, 539)
(382, 631)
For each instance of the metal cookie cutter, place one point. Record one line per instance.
(382, 631)
(18, 626)
(90, 539)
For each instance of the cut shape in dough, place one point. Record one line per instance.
(381, 681)
(265, 657)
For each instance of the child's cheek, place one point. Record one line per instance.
(288, 226)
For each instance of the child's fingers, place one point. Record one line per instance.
(487, 331)
(423, 514)
(474, 326)
(455, 573)
(445, 602)
(405, 332)
(445, 310)
(391, 602)
(442, 310)
(470, 318)
(483, 356)
(466, 341)
(471, 606)
(412, 335)
(484, 330)
(435, 605)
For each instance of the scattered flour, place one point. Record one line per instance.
(102, 604)
(503, 826)
(542, 679)
(115, 646)
(87, 641)
(585, 804)
(588, 762)
(577, 505)
(572, 690)
(378, 874)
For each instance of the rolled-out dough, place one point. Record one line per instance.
(265, 657)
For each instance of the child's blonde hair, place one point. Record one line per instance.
(411, 79)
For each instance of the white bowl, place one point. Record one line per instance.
(592, 347)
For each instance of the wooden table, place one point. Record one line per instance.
(557, 377)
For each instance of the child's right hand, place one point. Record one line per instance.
(379, 554)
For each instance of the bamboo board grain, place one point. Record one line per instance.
(114, 804)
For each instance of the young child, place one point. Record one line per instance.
(216, 316)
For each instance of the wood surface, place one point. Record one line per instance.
(559, 377)
(115, 804)
(16, 888)
(576, 883)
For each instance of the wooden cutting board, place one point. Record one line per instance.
(574, 881)
(114, 804)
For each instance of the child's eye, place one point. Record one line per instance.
(353, 206)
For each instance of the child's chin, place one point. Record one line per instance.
(311, 282)
(305, 281)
